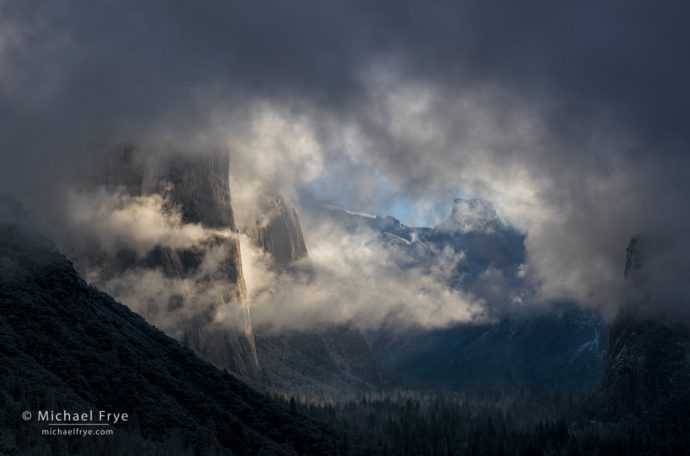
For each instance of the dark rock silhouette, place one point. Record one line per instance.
(648, 362)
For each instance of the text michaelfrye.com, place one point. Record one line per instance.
(71, 423)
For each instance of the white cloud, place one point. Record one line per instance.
(352, 277)
(115, 220)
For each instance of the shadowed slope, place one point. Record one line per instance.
(66, 345)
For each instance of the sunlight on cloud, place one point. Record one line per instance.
(349, 277)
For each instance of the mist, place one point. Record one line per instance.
(390, 109)
(351, 278)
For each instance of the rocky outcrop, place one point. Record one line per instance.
(197, 187)
(277, 230)
(475, 229)
(471, 215)
(648, 362)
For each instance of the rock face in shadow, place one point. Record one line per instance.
(330, 359)
(648, 363)
(65, 345)
(278, 231)
(198, 188)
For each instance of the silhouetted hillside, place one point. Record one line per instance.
(66, 345)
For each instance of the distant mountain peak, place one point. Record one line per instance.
(471, 215)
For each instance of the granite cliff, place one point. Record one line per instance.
(196, 188)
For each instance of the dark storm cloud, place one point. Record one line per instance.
(572, 116)
(626, 56)
(82, 75)
(106, 61)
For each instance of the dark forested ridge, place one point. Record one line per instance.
(65, 345)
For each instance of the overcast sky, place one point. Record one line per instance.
(571, 117)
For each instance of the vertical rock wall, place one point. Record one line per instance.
(198, 187)
(278, 231)
(648, 362)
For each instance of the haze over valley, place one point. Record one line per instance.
(345, 227)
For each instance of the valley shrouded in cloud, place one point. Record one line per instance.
(361, 227)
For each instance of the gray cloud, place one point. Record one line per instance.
(570, 117)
